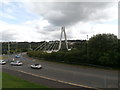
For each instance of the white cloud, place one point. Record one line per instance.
(39, 23)
(31, 33)
(80, 21)
(23, 32)
(81, 30)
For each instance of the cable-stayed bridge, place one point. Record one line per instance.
(54, 46)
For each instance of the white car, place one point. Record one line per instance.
(36, 66)
(16, 63)
(2, 62)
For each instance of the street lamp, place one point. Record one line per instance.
(87, 46)
(87, 37)
(8, 48)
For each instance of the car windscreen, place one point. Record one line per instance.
(36, 64)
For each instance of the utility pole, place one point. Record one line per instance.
(8, 48)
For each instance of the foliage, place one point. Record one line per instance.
(101, 49)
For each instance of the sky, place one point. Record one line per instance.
(28, 20)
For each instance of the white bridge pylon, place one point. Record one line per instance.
(54, 46)
(66, 43)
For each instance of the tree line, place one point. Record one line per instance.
(101, 49)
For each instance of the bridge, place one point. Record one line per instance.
(54, 46)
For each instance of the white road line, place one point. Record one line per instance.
(44, 77)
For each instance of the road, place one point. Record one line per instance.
(71, 74)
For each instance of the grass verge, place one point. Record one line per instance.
(9, 81)
(3, 57)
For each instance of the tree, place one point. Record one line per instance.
(102, 49)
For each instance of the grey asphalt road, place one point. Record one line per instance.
(42, 81)
(83, 76)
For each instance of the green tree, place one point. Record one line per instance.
(102, 49)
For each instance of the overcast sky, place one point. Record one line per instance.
(38, 21)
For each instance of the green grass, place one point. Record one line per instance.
(0, 80)
(9, 81)
(3, 57)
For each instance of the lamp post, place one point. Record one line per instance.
(87, 45)
(87, 37)
(8, 48)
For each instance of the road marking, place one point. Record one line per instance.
(44, 77)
